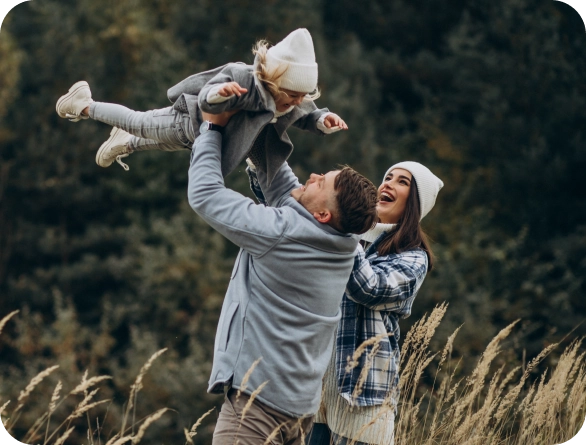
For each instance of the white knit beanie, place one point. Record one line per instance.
(296, 53)
(428, 184)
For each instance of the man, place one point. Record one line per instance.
(282, 305)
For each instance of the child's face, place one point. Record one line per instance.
(288, 99)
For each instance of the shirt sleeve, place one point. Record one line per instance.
(321, 126)
(309, 122)
(387, 285)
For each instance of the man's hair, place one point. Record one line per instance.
(356, 199)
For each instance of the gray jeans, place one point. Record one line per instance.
(165, 129)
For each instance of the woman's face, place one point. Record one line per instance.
(393, 194)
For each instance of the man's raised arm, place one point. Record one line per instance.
(284, 182)
(253, 227)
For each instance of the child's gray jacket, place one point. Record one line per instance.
(282, 305)
(258, 110)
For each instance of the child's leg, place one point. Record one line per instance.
(141, 144)
(153, 130)
(173, 128)
(184, 129)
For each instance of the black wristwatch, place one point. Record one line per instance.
(207, 126)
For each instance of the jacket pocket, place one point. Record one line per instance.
(227, 325)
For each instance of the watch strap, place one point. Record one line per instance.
(213, 127)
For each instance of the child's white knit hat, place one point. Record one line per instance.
(428, 184)
(295, 52)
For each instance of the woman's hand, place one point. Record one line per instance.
(333, 120)
(231, 88)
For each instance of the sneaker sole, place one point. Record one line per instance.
(74, 89)
(106, 145)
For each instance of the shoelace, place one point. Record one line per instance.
(122, 164)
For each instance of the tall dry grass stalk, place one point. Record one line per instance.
(504, 404)
(494, 404)
(5, 319)
(189, 435)
(147, 422)
(62, 435)
(246, 377)
(136, 387)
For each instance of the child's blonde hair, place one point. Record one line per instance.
(272, 80)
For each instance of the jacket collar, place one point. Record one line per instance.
(284, 122)
(337, 241)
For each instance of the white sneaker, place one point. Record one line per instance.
(70, 105)
(114, 149)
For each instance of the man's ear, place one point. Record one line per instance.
(324, 217)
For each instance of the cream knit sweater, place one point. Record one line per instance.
(367, 424)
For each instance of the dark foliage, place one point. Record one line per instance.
(109, 266)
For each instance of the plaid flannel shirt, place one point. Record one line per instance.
(380, 291)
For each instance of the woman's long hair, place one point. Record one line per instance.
(408, 233)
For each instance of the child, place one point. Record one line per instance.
(278, 89)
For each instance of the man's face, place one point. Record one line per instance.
(318, 195)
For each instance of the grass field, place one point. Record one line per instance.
(497, 403)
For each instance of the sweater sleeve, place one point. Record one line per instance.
(389, 285)
(309, 122)
(253, 227)
(233, 72)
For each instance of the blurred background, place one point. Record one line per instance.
(107, 266)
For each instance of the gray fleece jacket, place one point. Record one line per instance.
(191, 95)
(283, 301)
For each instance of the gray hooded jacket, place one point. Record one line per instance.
(282, 305)
(259, 109)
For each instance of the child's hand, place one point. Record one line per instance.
(333, 120)
(231, 88)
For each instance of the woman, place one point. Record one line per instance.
(361, 384)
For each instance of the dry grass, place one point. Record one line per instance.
(189, 435)
(496, 404)
(61, 434)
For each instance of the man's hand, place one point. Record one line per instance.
(333, 120)
(219, 119)
(230, 88)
